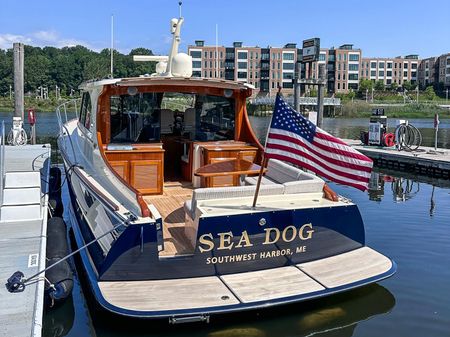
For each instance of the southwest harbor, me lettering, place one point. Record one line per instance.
(254, 256)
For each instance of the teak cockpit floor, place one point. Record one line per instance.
(170, 206)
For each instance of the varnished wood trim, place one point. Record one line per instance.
(145, 212)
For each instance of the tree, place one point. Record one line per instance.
(429, 93)
(379, 85)
(409, 86)
(365, 84)
(394, 86)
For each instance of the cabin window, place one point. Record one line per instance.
(145, 117)
(85, 110)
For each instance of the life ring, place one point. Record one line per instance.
(388, 139)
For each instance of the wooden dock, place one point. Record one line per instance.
(23, 227)
(424, 161)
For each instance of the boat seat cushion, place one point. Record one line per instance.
(293, 179)
(282, 172)
(254, 181)
(228, 192)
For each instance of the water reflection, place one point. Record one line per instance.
(403, 186)
(333, 316)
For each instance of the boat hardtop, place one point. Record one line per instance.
(163, 171)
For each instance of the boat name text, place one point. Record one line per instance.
(272, 235)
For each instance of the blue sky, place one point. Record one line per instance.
(380, 28)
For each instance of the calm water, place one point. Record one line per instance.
(406, 217)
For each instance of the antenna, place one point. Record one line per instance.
(217, 51)
(112, 46)
(180, 4)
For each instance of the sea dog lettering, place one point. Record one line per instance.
(272, 235)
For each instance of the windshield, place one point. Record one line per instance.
(144, 117)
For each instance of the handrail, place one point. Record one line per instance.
(2, 161)
(62, 124)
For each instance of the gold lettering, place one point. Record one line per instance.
(267, 241)
(204, 241)
(225, 238)
(309, 232)
(245, 239)
(284, 235)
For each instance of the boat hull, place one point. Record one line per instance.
(271, 280)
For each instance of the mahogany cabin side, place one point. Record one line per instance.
(166, 155)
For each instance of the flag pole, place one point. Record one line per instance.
(263, 160)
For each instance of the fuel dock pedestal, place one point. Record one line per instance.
(377, 127)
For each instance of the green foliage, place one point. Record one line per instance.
(393, 86)
(365, 84)
(409, 86)
(429, 93)
(379, 85)
(68, 67)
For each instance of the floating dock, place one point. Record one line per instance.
(424, 160)
(24, 173)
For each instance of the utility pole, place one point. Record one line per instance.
(320, 94)
(297, 88)
(18, 80)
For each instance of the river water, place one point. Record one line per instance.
(406, 217)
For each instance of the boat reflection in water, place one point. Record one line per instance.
(332, 316)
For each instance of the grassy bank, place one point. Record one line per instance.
(362, 109)
(40, 105)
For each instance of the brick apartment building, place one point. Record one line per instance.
(268, 68)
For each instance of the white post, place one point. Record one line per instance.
(436, 127)
(417, 92)
(446, 96)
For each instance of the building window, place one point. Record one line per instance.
(353, 86)
(205, 74)
(405, 65)
(381, 73)
(388, 81)
(352, 77)
(242, 74)
(389, 73)
(405, 74)
(242, 65)
(373, 73)
(242, 55)
(206, 64)
(221, 54)
(196, 74)
(196, 54)
(288, 76)
(339, 76)
(413, 74)
(210, 64)
(339, 86)
(289, 66)
(413, 65)
(288, 56)
(210, 73)
(345, 57)
(288, 85)
(196, 64)
(322, 57)
(343, 84)
(381, 65)
(251, 55)
(339, 57)
(373, 65)
(353, 67)
(353, 57)
(389, 65)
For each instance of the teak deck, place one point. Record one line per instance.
(306, 279)
(170, 206)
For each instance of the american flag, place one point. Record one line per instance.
(294, 139)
